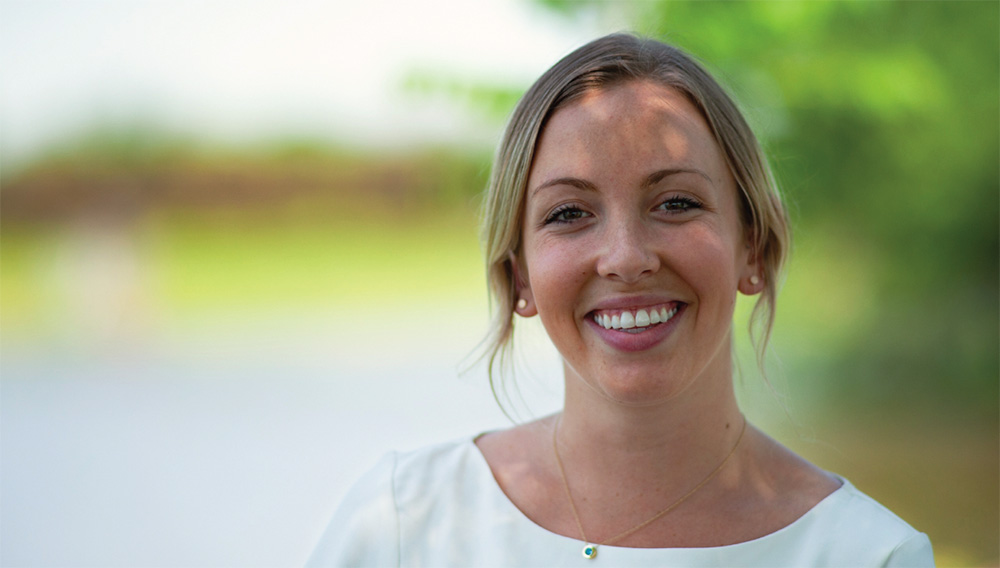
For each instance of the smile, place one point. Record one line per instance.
(635, 321)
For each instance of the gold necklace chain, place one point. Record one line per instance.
(590, 549)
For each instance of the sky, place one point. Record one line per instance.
(239, 70)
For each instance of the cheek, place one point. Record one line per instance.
(556, 277)
(555, 272)
(706, 259)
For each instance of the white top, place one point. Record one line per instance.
(441, 506)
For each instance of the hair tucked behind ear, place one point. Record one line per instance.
(600, 64)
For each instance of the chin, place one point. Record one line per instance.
(641, 389)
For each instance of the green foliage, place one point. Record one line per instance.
(489, 100)
(881, 119)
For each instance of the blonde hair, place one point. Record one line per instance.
(602, 63)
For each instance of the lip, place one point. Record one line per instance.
(635, 342)
(632, 302)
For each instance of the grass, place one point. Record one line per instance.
(190, 266)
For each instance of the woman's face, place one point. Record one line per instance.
(632, 245)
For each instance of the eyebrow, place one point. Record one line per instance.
(651, 180)
(658, 176)
(570, 181)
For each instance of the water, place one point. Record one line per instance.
(226, 444)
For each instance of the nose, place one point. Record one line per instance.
(626, 253)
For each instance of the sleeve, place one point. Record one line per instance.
(364, 530)
(915, 551)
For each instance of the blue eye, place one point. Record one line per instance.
(566, 214)
(679, 205)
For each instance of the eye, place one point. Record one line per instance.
(566, 214)
(679, 205)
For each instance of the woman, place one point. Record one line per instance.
(629, 203)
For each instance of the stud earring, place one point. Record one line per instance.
(754, 280)
(522, 303)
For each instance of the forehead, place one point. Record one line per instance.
(632, 126)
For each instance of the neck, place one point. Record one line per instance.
(667, 443)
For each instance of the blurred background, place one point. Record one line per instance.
(239, 256)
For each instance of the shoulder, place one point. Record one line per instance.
(865, 519)
(428, 475)
(851, 528)
(366, 528)
(826, 520)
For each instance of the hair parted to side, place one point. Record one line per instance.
(600, 64)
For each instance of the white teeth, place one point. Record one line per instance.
(628, 321)
(641, 318)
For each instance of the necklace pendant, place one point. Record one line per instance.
(589, 551)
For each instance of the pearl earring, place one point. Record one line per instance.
(522, 303)
(754, 280)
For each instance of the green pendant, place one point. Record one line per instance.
(589, 551)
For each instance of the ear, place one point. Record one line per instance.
(524, 302)
(752, 276)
